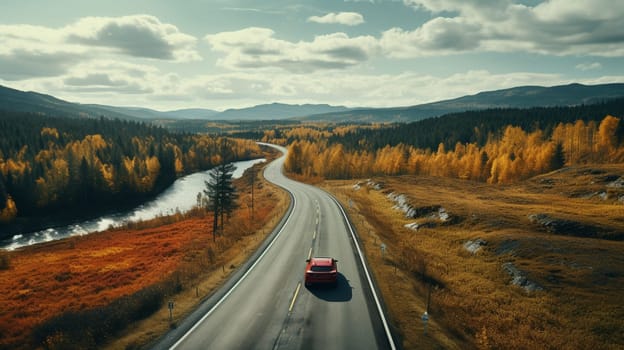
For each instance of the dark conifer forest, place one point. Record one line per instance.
(476, 126)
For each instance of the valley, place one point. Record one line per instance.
(505, 225)
(452, 171)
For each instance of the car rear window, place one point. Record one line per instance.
(321, 268)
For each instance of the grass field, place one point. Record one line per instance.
(577, 302)
(82, 273)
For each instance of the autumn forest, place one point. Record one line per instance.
(474, 149)
(48, 164)
(51, 163)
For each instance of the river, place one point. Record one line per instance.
(180, 196)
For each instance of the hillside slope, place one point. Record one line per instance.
(517, 97)
(497, 274)
(275, 111)
(32, 102)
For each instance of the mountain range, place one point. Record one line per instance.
(518, 97)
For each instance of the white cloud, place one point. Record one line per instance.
(554, 27)
(112, 76)
(473, 7)
(129, 60)
(356, 90)
(258, 49)
(385, 90)
(34, 51)
(588, 66)
(19, 64)
(437, 37)
(116, 83)
(139, 36)
(345, 18)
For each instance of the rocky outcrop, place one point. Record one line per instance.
(475, 246)
(377, 186)
(574, 228)
(619, 183)
(432, 212)
(552, 224)
(519, 278)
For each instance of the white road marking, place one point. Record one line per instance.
(292, 303)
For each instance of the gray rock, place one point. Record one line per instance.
(519, 278)
(378, 186)
(619, 183)
(474, 246)
(413, 226)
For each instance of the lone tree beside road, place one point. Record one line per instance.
(221, 194)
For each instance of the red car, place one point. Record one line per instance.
(321, 271)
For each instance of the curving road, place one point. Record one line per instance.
(266, 306)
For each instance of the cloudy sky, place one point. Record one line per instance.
(223, 54)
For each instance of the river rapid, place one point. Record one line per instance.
(180, 196)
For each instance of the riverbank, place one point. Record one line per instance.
(46, 282)
(180, 197)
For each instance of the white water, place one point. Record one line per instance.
(180, 196)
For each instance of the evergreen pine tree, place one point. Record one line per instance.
(3, 193)
(558, 159)
(221, 194)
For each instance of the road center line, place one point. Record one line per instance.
(310, 253)
(292, 303)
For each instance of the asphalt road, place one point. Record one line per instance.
(266, 305)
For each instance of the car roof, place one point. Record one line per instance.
(322, 261)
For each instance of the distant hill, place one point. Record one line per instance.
(276, 111)
(192, 113)
(33, 102)
(518, 97)
(146, 113)
(21, 101)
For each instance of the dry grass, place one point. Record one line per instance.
(208, 279)
(473, 304)
(81, 273)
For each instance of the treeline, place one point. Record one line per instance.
(475, 127)
(508, 155)
(53, 163)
